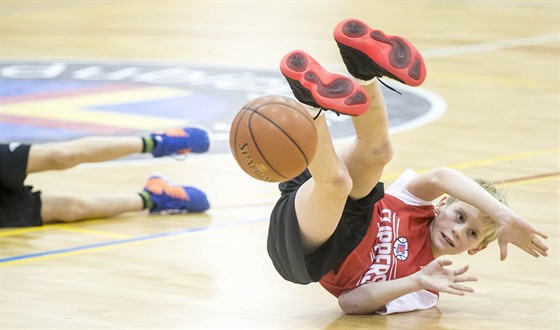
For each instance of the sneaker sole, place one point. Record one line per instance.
(393, 56)
(317, 87)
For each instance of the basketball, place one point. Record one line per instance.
(273, 138)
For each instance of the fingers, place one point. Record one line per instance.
(503, 250)
(531, 245)
(541, 234)
(459, 290)
(536, 249)
(529, 250)
(444, 262)
(539, 246)
(461, 270)
(465, 278)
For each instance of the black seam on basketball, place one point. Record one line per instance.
(286, 134)
(253, 112)
(235, 136)
(238, 158)
(308, 118)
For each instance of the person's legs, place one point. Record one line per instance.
(371, 149)
(160, 195)
(58, 208)
(63, 155)
(368, 54)
(320, 200)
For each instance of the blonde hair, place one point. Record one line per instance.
(491, 227)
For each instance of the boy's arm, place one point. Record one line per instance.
(369, 297)
(512, 228)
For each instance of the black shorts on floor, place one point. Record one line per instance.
(19, 205)
(284, 241)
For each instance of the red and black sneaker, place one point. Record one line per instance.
(314, 86)
(370, 53)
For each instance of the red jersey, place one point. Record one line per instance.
(396, 245)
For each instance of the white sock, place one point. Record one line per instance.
(364, 82)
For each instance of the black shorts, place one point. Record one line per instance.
(19, 205)
(284, 242)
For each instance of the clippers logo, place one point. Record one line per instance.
(400, 248)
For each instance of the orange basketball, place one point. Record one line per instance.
(273, 138)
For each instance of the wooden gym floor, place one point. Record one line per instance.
(495, 63)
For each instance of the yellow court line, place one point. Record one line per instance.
(110, 245)
(72, 253)
(94, 232)
(19, 231)
(507, 158)
(486, 161)
(63, 226)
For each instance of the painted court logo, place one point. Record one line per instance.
(60, 100)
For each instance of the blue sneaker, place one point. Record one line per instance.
(180, 141)
(171, 198)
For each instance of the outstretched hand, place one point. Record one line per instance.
(521, 234)
(435, 277)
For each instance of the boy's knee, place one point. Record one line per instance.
(73, 210)
(62, 159)
(379, 155)
(340, 182)
(385, 153)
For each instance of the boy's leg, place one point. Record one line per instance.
(63, 155)
(371, 149)
(320, 201)
(56, 208)
(160, 195)
(368, 54)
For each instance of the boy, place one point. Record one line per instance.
(20, 206)
(374, 250)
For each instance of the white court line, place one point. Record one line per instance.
(490, 46)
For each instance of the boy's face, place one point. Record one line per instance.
(456, 228)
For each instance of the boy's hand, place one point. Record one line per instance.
(434, 276)
(518, 232)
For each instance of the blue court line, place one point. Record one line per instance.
(129, 240)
